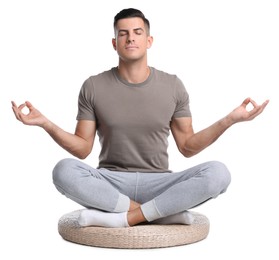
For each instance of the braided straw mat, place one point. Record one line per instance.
(139, 236)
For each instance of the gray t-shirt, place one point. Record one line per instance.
(133, 120)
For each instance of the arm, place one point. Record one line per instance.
(79, 144)
(190, 143)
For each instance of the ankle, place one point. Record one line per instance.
(133, 205)
(135, 217)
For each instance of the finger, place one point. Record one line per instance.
(253, 103)
(265, 104)
(246, 102)
(21, 117)
(17, 112)
(15, 107)
(29, 105)
(257, 110)
(13, 104)
(20, 107)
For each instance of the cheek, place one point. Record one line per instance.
(120, 43)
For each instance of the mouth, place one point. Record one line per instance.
(131, 47)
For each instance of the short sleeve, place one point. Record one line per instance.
(86, 109)
(182, 100)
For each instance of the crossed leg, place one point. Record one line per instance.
(167, 204)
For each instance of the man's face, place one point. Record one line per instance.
(131, 39)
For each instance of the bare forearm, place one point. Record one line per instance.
(72, 143)
(79, 144)
(202, 139)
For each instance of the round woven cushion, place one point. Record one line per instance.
(139, 236)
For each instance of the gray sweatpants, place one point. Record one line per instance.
(160, 194)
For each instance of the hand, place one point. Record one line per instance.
(34, 117)
(242, 114)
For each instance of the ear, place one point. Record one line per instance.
(113, 41)
(149, 42)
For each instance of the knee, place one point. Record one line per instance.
(61, 171)
(219, 177)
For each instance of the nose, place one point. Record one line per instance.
(130, 38)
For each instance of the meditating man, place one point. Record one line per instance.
(133, 108)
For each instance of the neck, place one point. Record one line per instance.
(133, 73)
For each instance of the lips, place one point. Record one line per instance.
(131, 47)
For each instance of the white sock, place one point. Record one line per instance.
(93, 217)
(184, 217)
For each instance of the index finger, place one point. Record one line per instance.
(253, 103)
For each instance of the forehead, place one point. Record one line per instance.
(130, 23)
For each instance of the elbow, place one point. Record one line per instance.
(187, 153)
(82, 154)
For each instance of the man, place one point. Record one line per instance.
(133, 107)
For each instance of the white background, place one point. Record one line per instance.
(224, 51)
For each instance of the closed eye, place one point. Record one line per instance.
(122, 33)
(138, 31)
